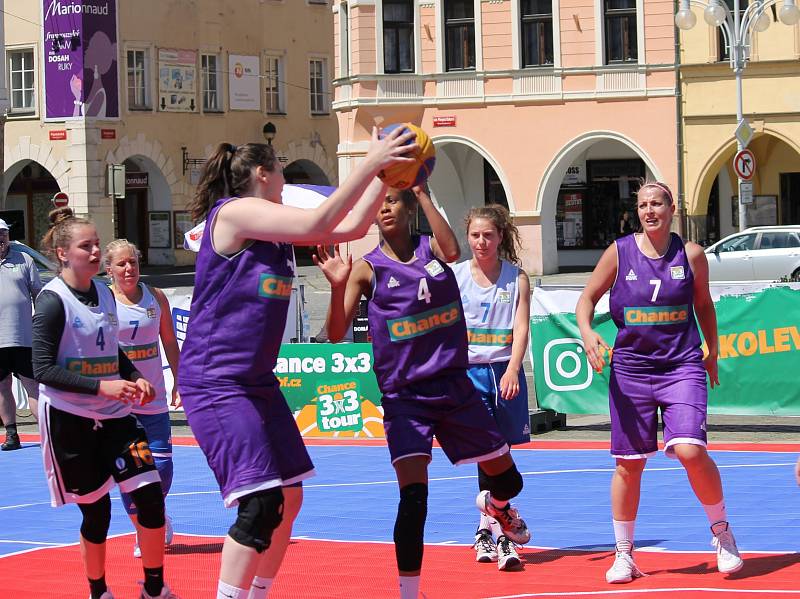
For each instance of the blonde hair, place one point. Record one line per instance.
(658, 185)
(119, 244)
(59, 235)
(500, 217)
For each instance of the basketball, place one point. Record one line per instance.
(408, 174)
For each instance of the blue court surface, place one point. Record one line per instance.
(354, 498)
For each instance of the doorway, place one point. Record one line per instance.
(130, 214)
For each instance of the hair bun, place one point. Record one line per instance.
(59, 215)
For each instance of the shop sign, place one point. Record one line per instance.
(108, 134)
(58, 134)
(444, 121)
(136, 180)
(575, 175)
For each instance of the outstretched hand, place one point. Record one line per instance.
(335, 269)
(392, 148)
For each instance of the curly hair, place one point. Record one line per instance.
(500, 217)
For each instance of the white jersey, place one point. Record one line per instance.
(489, 312)
(89, 347)
(139, 326)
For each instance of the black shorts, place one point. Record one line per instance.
(17, 360)
(83, 458)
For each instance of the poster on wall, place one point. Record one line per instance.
(573, 220)
(79, 42)
(159, 230)
(183, 223)
(244, 82)
(177, 80)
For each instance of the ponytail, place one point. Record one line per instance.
(59, 235)
(500, 217)
(227, 174)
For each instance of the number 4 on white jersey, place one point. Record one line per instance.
(656, 286)
(422, 292)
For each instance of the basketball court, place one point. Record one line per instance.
(342, 542)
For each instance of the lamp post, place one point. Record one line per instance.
(269, 132)
(737, 29)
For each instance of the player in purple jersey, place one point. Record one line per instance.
(419, 342)
(243, 282)
(658, 284)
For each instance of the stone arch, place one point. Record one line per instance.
(312, 151)
(140, 146)
(16, 157)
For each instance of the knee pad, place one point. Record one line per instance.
(409, 528)
(165, 471)
(149, 502)
(484, 484)
(259, 515)
(96, 519)
(505, 485)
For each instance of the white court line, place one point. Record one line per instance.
(37, 543)
(664, 590)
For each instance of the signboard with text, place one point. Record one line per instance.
(244, 82)
(177, 80)
(79, 41)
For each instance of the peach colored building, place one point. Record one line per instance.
(555, 108)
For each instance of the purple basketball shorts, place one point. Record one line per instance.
(448, 407)
(248, 436)
(634, 401)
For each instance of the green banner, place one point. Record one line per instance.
(759, 354)
(331, 389)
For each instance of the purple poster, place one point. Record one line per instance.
(80, 54)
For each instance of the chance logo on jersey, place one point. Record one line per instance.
(93, 367)
(274, 286)
(137, 353)
(415, 325)
(656, 315)
(502, 337)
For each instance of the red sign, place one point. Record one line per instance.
(58, 134)
(744, 163)
(444, 121)
(60, 200)
(108, 134)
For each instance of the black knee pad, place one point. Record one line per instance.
(505, 485)
(96, 519)
(484, 484)
(149, 502)
(259, 515)
(409, 528)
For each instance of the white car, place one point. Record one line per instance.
(756, 254)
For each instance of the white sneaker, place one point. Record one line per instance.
(164, 594)
(508, 518)
(485, 548)
(169, 532)
(507, 556)
(624, 569)
(137, 551)
(728, 559)
(106, 595)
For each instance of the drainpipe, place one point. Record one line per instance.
(679, 129)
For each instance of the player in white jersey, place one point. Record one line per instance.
(90, 440)
(144, 316)
(495, 294)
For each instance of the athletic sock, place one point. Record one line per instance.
(623, 534)
(485, 523)
(227, 591)
(409, 587)
(97, 587)
(259, 589)
(716, 513)
(153, 581)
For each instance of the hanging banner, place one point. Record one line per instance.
(79, 41)
(177, 80)
(759, 350)
(244, 82)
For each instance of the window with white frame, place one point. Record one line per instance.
(620, 31)
(398, 36)
(317, 72)
(344, 40)
(138, 68)
(273, 78)
(459, 26)
(21, 80)
(209, 64)
(536, 18)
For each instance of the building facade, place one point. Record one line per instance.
(771, 105)
(155, 86)
(555, 108)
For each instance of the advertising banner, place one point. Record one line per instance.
(80, 59)
(759, 351)
(244, 82)
(177, 80)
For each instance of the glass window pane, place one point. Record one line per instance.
(459, 9)
(29, 99)
(620, 4)
(537, 7)
(390, 49)
(405, 50)
(16, 80)
(16, 99)
(402, 11)
(16, 61)
(28, 79)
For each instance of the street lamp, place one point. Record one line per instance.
(269, 132)
(736, 30)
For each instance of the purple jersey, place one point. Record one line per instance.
(415, 318)
(652, 304)
(238, 312)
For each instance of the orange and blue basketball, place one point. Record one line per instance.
(405, 175)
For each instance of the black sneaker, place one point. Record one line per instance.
(12, 443)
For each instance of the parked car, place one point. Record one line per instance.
(46, 268)
(756, 254)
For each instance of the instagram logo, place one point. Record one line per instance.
(565, 365)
